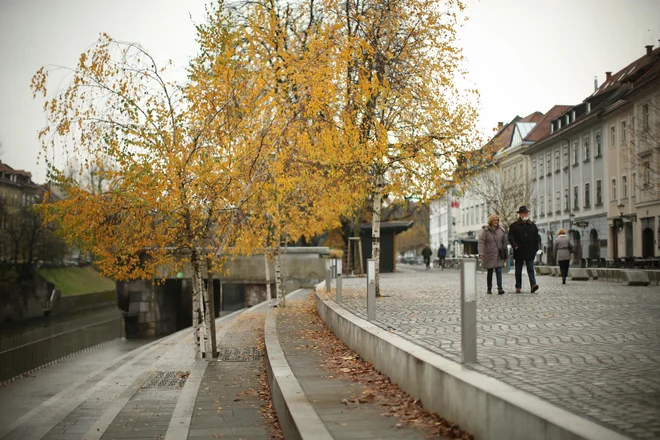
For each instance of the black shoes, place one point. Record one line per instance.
(500, 291)
(490, 292)
(563, 280)
(535, 287)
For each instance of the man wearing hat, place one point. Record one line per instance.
(524, 238)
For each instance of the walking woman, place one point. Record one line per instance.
(492, 251)
(563, 250)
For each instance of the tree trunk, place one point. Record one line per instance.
(375, 229)
(284, 274)
(278, 276)
(198, 312)
(213, 347)
(267, 267)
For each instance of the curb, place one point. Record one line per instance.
(297, 417)
(486, 407)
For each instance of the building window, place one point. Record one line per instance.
(588, 107)
(558, 202)
(575, 153)
(586, 149)
(566, 156)
(613, 189)
(541, 207)
(572, 115)
(634, 186)
(612, 136)
(557, 164)
(646, 174)
(599, 192)
(533, 169)
(587, 195)
(623, 132)
(624, 187)
(541, 173)
(566, 199)
(550, 208)
(548, 160)
(645, 117)
(598, 144)
(576, 193)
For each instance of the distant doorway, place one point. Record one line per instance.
(647, 243)
(629, 239)
(577, 245)
(594, 245)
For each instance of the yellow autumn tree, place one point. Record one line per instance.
(403, 119)
(303, 193)
(187, 158)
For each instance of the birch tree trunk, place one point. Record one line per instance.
(278, 275)
(268, 292)
(375, 229)
(197, 318)
(210, 310)
(284, 274)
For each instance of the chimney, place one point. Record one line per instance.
(499, 126)
(608, 76)
(595, 83)
(649, 49)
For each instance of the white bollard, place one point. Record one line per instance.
(469, 310)
(371, 289)
(338, 282)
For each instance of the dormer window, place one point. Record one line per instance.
(558, 124)
(573, 116)
(552, 128)
(588, 107)
(567, 120)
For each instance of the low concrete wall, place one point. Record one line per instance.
(486, 407)
(297, 417)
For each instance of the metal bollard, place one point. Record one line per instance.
(371, 289)
(338, 282)
(468, 311)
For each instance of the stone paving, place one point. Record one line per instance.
(592, 347)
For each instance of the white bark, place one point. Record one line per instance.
(208, 331)
(267, 267)
(197, 303)
(284, 274)
(278, 276)
(375, 229)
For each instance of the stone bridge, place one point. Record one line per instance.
(163, 306)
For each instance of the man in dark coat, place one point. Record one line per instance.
(524, 238)
(442, 254)
(426, 253)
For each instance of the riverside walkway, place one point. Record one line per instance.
(592, 348)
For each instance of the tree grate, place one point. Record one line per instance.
(238, 354)
(166, 379)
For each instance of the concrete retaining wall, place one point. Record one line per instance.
(486, 407)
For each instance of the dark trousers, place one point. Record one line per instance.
(563, 268)
(530, 272)
(498, 276)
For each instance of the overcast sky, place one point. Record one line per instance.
(522, 55)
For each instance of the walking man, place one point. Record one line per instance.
(524, 238)
(426, 253)
(442, 254)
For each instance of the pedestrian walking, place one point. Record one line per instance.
(492, 251)
(525, 240)
(563, 250)
(426, 253)
(442, 254)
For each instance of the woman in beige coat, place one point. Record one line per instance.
(492, 245)
(563, 250)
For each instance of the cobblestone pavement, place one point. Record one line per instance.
(592, 348)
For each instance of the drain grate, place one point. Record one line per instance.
(238, 354)
(166, 379)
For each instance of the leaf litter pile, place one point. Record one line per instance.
(267, 408)
(344, 363)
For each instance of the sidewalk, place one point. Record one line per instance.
(157, 391)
